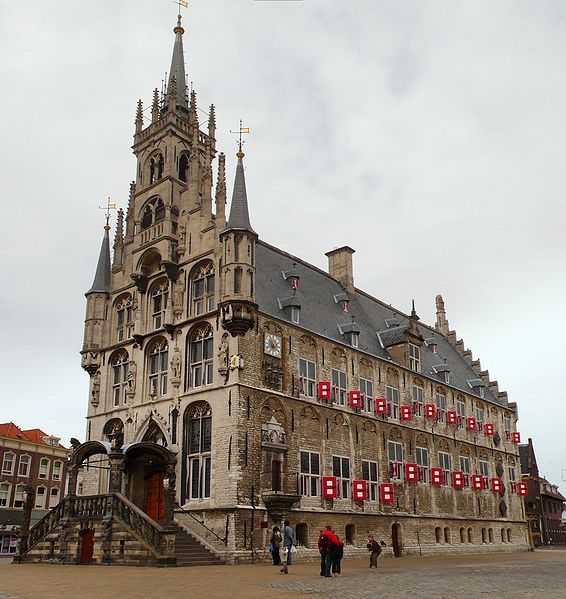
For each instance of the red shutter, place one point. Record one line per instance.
(411, 473)
(496, 485)
(430, 411)
(355, 399)
(516, 437)
(522, 489)
(324, 390)
(472, 424)
(380, 405)
(386, 493)
(489, 429)
(406, 412)
(458, 480)
(436, 476)
(360, 490)
(451, 417)
(477, 482)
(329, 487)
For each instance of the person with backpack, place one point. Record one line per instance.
(375, 548)
(325, 541)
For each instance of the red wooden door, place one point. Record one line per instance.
(87, 545)
(155, 496)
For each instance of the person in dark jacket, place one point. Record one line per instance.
(288, 542)
(336, 554)
(375, 548)
(276, 544)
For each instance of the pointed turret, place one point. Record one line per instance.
(155, 106)
(139, 117)
(177, 71)
(119, 242)
(212, 122)
(239, 214)
(101, 283)
(441, 322)
(221, 191)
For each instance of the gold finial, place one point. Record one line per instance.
(184, 4)
(109, 206)
(240, 142)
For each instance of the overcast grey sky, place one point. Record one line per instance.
(429, 135)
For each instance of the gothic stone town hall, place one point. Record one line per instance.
(234, 385)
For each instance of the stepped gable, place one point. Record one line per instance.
(321, 314)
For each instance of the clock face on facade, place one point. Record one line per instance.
(272, 345)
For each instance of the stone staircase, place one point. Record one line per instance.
(190, 552)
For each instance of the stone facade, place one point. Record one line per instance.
(187, 345)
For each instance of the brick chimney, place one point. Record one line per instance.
(340, 266)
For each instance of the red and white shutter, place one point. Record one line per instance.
(489, 429)
(437, 476)
(355, 399)
(522, 489)
(430, 411)
(386, 493)
(496, 485)
(411, 473)
(329, 487)
(472, 424)
(451, 417)
(380, 405)
(458, 480)
(477, 482)
(406, 412)
(324, 390)
(360, 490)
(516, 437)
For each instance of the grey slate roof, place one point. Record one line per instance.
(320, 314)
(178, 66)
(239, 213)
(101, 283)
(524, 457)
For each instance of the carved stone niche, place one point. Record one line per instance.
(273, 435)
(272, 375)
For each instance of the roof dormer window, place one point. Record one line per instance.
(355, 339)
(292, 276)
(414, 357)
(343, 300)
(443, 371)
(478, 386)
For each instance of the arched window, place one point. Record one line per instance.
(503, 536)
(119, 365)
(470, 536)
(462, 535)
(198, 443)
(202, 289)
(302, 534)
(5, 494)
(44, 468)
(40, 496)
(184, 167)
(238, 279)
(350, 534)
(124, 319)
(155, 168)
(158, 365)
(447, 535)
(8, 463)
(57, 468)
(53, 497)
(509, 536)
(200, 353)
(438, 534)
(484, 535)
(159, 297)
(491, 535)
(155, 435)
(19, 496)
(112, 427)
(153, 212)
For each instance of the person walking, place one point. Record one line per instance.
(275, 545)
(336, 554)
(326, 540)
(288, 542)
(375, 548)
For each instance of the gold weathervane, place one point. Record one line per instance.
(240, 142)
(109, 206)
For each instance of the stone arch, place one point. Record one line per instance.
(392, 377)
(395, 434)
(149, 263)
(338, 357)
(310, 424)
(201, 285)
(273, 327)
(197, 452)
(113, 426)
(421, 440)
(443, 446)
(148, 425)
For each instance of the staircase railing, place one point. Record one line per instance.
(201, 522)
(42, 528)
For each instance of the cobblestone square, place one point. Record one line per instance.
(541, 574)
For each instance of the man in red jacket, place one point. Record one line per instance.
(325, 541)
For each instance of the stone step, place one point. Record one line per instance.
(190, 552)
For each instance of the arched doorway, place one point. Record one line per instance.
(155, 496)
(87, 545)
(396, 539)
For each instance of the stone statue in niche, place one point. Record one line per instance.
(179, 293)
(95, 389)
(223, 354)
(181, 246)
(176, 366)
(131, 380)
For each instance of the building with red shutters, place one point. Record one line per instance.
(28, 458)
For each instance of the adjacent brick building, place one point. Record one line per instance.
(544, 504)
(282, 390)
(28, 458)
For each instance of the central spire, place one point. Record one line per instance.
(177, 71)
(239, 213)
